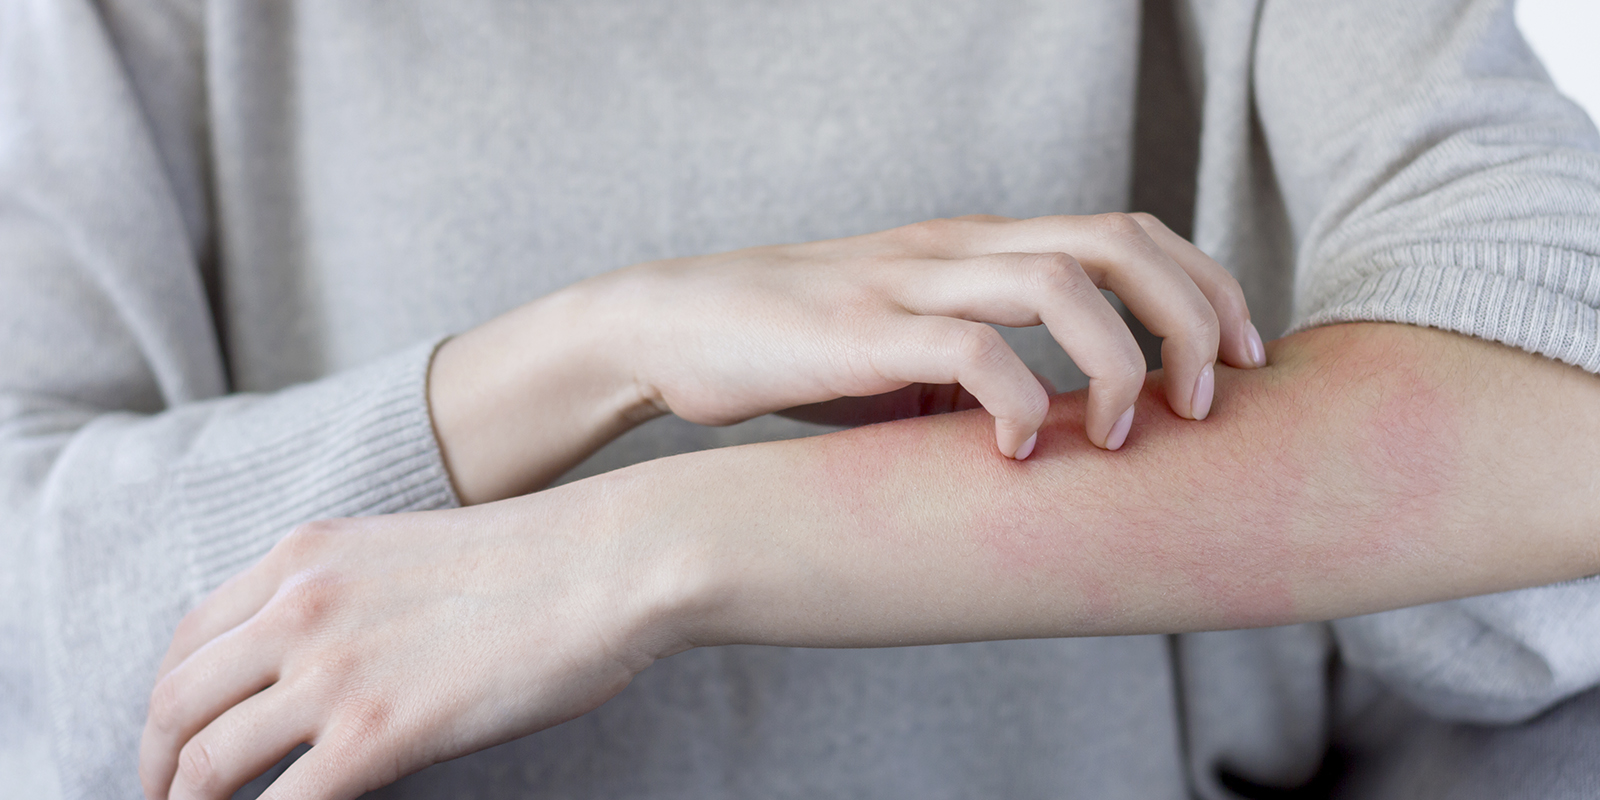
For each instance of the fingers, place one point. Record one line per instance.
(215, 678)
(940, 349)
(223, 652)
(1022, 289)
(241, 596)
(341, 766)
(1241, 343)
(241, 745)
(1119, 254)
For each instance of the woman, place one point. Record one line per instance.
(250, 224)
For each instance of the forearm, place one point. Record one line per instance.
(1370, 467)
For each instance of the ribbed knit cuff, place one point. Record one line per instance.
(1542, 299)
(354, 444)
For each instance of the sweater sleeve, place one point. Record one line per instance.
(131, 483)
(1432, 175)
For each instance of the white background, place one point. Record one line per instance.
(1566, 35)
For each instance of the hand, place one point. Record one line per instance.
(392, 643)
(720, 339)
(863, 329)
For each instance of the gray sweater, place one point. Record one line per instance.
(232, 231)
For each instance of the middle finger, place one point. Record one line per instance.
(1118, 254)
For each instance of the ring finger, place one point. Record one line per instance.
(1022, 289)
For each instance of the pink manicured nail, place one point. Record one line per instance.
(1027, 447)
(1204, 387)
(1252, 340)
(1119, 431)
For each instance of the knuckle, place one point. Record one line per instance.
(1130, 370)
(980, 344)
(365, 721)
(1203, 324)
(166, 705)
(305, 541)
(1118, 226)
(1036, 407)
(1047, 268)
(1232, 302)
(932, 233)
(196, 770)
(1059, 275)
(1146, 219)
(306, 601)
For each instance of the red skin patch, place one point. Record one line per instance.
(1302, 482)
(1232, 516)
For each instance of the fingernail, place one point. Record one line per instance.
(1027, 447)
(1119, 431)
(1252, 340)
(1204, 387)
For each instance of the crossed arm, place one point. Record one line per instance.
(1368, 467)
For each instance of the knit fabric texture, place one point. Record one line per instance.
(232, 233)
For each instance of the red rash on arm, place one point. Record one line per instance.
(1369, 467)
(1233, 514)
(1065, 536)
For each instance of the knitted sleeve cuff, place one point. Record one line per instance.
(1543, 299)
(354, 444)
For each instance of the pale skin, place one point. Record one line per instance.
(1368, 467)
(889, 316)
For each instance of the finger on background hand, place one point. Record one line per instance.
(342, 765)
(230, 604)
(242, 744)
(218, 676)
(1241, 343)
(1022, 289)
(1117, 254)
(938, 349)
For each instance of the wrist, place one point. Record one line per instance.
(611, 307)
(671, 574)
(521, 399)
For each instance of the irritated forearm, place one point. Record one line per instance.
(1370, 467)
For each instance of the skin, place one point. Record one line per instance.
(849, 330)
(1369, 467)
(873, 327)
